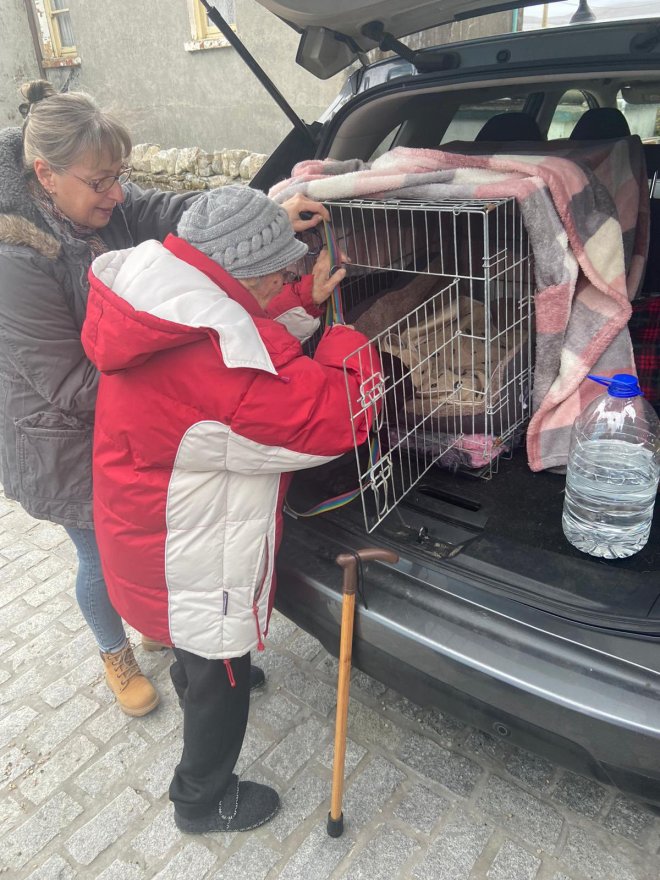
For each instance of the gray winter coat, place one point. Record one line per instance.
(47, 385)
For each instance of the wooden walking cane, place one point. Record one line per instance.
(349, 562)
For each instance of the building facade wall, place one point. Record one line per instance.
(133, 61)
(18, 61)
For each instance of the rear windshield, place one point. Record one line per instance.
(560, 14)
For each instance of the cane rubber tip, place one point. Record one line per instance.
(336, 826)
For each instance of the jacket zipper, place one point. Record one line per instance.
(257, 596)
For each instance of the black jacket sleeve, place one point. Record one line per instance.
(153, 213)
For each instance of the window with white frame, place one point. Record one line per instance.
(58, 43)
(205, 35)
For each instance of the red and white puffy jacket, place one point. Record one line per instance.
(205, 403)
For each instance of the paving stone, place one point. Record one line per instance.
(304, 645)
(452, 855)
(317, 694)
(50, 566)
(280, 630)
(530, 769)
(10, 814)
(49, 775)
(74, 652)
(158, 775)
(104, 726)
(13, 612)
(15, 723)
(31, 837)
(12, 764)
(6, 645)
(370, 791)
(12, 549)
(61, 690)
(421, 809)
(72, 619)
(36, 623)
(537, 823)
(383, 857)
(23, 686)
(254, 860)
(278, 710)
(586, 855)
(47, 536)
(60, 723)
(580, 794)
(296, 748)
(366, 684)
(299, 802)
(57, 693)
(166, 719)
(457, 773)
(254, 745)
(16, 585)
(54, 868)
(398, 703)
(22, 565)
(353, 756)
(121, 871)
(513, 861)
(118, 761)
(106, 827)
(372, 727)
(317, 856)
(41, 646)
(45, 590)
(449, 730)
(158, 837)
(194, 860)
(629, 819)
(328, 665)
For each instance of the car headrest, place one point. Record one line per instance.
(512, 126)
(600, 123)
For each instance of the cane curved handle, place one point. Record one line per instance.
(349, 561)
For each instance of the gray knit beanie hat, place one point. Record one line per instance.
(243, 230)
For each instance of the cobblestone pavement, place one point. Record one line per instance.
(83, 788)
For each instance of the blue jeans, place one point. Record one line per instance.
(92, 593)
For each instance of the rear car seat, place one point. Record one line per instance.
(600, 123)
(510, 127)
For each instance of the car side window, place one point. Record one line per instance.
(642, 111)
(469, 119)
(572, 105)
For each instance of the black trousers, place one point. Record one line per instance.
(215, 716)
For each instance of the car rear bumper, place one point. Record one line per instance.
(539, 681)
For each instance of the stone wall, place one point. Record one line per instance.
(189, 168)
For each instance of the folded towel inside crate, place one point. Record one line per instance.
(449, 361)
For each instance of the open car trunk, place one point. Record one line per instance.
(499, 522)
(506, 531)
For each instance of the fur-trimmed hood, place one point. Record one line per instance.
(21, 222)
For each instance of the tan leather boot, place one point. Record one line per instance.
(152, 645)
(134, 692)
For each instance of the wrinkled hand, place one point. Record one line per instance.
(298, 204)
(322, 285)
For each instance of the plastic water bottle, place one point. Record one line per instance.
(613, 471)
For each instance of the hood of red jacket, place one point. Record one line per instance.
(155, 297)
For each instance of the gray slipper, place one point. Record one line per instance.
(244, 806)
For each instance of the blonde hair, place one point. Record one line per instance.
(61, 128)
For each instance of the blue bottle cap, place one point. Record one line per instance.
(620, 385)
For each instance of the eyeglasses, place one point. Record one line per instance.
(103, 184)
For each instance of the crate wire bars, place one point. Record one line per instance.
(444, 292)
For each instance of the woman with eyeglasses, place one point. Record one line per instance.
(65, 198)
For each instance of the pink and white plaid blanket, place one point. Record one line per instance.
(586, 210)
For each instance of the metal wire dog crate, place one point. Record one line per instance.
(444, 292)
